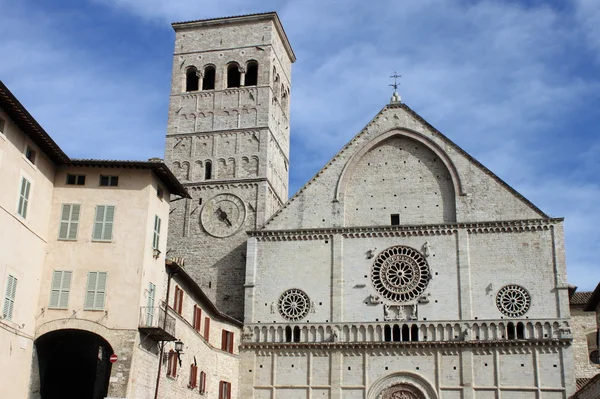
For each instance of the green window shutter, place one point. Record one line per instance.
(63, 232)
(99, 222)
(65, 288)
(55, 289)
(74, 221)
(156, 235)
(100, 291)
(24, 197)
(108, 222)
(90, 293)
(9, 297)
(103, 224)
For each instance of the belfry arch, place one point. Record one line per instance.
(399, 177)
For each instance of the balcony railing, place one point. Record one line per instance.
(414, 331)
(157, 323)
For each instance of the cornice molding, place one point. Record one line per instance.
(407, 348)
(509, 226)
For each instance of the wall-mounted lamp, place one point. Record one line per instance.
(179, 350)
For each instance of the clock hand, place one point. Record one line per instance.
(223, 216)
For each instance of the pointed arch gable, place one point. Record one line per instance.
(401, 132)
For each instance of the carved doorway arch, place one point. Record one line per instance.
(402, 391)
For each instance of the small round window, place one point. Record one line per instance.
(513, 300)
(293, 305)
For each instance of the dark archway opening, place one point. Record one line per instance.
(73, 364)
(207, 170)
(191, 79)
(208, 82)
(233, 75)
(251, 74)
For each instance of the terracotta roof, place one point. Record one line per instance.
(580, 298)
(583, 384)
(592, 303)
(23, 119)
(158, 167)
(174, 267)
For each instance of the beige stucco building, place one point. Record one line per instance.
(83, 246)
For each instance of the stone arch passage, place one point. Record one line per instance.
(73, 364)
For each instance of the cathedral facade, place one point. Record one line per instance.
(403, 269)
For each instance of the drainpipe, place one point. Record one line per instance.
(162, 344)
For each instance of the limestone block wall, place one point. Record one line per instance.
(585, 330)
(327, 200)
(468, 267)
(337, 372)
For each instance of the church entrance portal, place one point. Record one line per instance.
(402, 391)
(73, 364)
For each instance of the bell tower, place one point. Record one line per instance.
(228, 139)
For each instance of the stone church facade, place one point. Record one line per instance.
(403, 269)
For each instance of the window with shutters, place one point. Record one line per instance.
(206, 328)
(227, 341)
(24, 197)
(59, 290)
(9, 297)
(197, 320)
(95, 291)
(103, 224)
(178, 300)
(172, 364)
(193, 381)
(224, 390)
(150, 304)
(69, 222)
(202, 383)
(156, 237)
(111, 181)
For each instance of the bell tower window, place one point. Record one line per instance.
(191, 79)
(208, 82)
(207, 170)
(233, 75)
(252, 73)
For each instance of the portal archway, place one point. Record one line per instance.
(402, 385)
(73, 364)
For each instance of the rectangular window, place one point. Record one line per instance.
(178, 300)
(78, 180)
(9, 297)
(69, 222)
(206, 328)
(224, 390)
(96, 291)
(103, 224)
(30, 154)
(193, 381)
(2, 125)
(156, 237)
(24, 197)
(111, 181)
(160, 192)
(150, 304)
(202, 383)
(59, 290)
(197, 318)
(395, 219)
(227, 341)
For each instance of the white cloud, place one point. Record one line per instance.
(506, 81)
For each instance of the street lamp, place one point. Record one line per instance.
(179, 350)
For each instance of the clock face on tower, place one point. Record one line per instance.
(223, 215)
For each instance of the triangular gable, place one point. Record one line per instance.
(317, 203)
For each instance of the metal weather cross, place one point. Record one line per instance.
(395, 76)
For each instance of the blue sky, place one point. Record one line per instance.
(514, 83)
